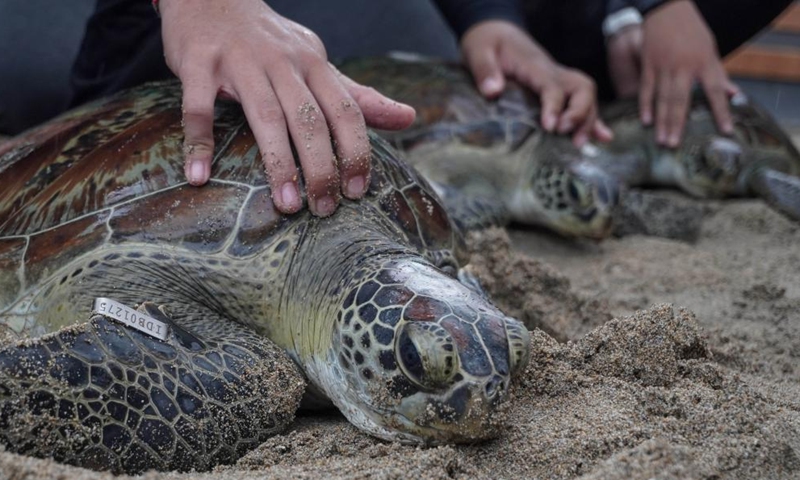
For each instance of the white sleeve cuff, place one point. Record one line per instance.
(621, 19)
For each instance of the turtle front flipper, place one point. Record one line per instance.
(778, 189)
(104, 396)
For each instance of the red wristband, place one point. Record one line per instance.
(155, 6)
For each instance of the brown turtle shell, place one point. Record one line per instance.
(448, 105)
(112, 173)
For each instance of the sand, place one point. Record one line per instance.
(652, 358)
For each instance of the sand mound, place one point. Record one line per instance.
(530, 290)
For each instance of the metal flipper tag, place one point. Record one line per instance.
(130, 317)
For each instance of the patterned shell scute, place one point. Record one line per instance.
(447, 103)
(12, 251)
(435, 228)
(56, 247)
(759, 128)
(412, 205)
(259, 219)
(395, 206)
(97, 162)
(170, 216)
(99, 157)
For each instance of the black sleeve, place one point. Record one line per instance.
(644, 6)
(462, 14)
(614, 6)
(121, 48)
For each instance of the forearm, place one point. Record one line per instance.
(463, 14)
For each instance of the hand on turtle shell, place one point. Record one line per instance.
(279, 72)
(678, 49)
(496, 49)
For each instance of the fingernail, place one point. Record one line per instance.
(549, 121)
(674, 140)
(196, 172)
(647, 118)
(565, 127)
(491, 86)
(727, 129)
(325, 206)
(580, 140)
(606, 133)
(355, 187)
(289, 197)
(661, 137)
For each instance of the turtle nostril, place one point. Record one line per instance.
(494, 387)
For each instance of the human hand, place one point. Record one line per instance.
(678, 49)
(279, 72)
(496, 49)
(624, 50)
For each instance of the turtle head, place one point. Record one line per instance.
(419, 357)
(713, 165)
(574, 198)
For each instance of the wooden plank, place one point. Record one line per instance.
(769, 63)
(789, 21)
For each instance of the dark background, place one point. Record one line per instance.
(40, 38)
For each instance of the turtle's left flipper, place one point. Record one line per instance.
(102, 395)
(778, 189)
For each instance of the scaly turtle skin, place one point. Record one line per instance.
(759, 159)
(492, 154)
(366, 302)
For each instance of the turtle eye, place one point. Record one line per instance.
(449, 269)
(410, 357)
(426, 354)
(573, 191)
(579, 194)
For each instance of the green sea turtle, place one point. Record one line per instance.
(367, 302)
(490, 157)
(758, 160)
(493, 150)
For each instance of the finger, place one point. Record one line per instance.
(553, 98)
(582, 133)
(731, 88)
(379, 111)
(581, 112)
(716, 85)
(647, 95)
(663, 93)
(268, 123)
(312, 139)
(348, 129)
(601, 131)
(199, 93)
(485, 68)
(679, 98)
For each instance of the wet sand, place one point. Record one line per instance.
(652, 358)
